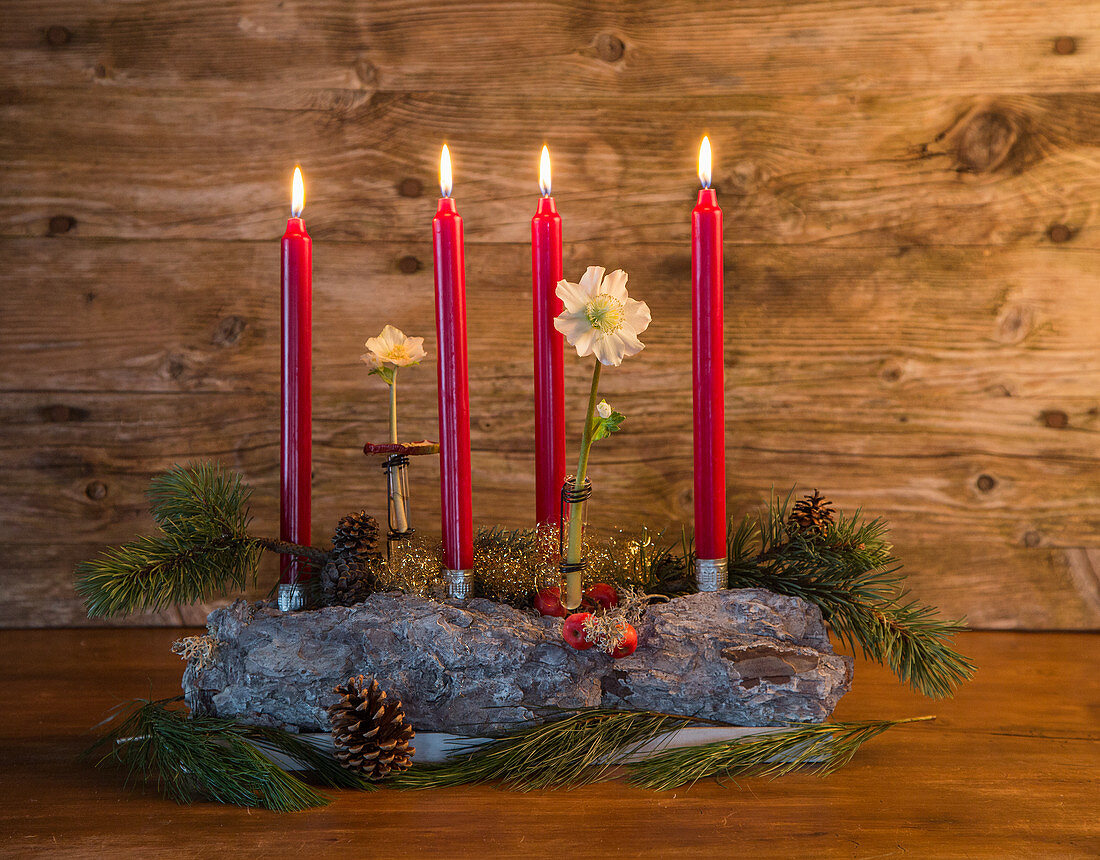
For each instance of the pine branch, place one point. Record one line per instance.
(576, 750)
(586, 746)
(826, 747)
(205, 758)
(202, 549)
(850, 574)
(156, 572)
(200, 497)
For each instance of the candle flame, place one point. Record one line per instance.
(298, 195)
(445, 182)
(704, 162)
(544, 172)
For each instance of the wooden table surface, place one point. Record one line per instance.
(1009, 769)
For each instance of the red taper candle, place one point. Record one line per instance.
(454, 396)
(546, 271)
(708, 393)
(296, 439)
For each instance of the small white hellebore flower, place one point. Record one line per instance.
(600, 319)
(393, 346)
(603, 409)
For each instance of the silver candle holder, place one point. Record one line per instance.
(711, 574)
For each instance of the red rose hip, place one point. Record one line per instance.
(603, 594)
(629, 643)
(573, 631)
(548, 602)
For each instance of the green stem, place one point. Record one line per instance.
(576, 522)
(393, 407)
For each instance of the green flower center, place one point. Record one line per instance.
(605, 313)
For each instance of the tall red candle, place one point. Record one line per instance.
(454, 396)
(296, 440)
(708, 383)
(546, 271)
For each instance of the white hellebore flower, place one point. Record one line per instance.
(600, 319)
(392, 346)
(603, 409)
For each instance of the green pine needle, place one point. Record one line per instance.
(825, 747)
(576, 750)
(850, 574)
(585, 747)
(200, 497)
(203, 548)
(207, 758)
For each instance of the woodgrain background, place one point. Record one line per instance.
(912, 273)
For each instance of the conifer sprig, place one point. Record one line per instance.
(202, 547)
(825, 747)
(208, 758)
(587, 746)
(577, 749)
(849, 572)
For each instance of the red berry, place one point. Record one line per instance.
(573, 631)
(629, 643)
(603, 594)
(548, 602)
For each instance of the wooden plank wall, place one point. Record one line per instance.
(913, 269)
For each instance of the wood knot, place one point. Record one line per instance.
(96, 491)
(985, 483)
(61, 224)
(1065, 45)
(1015, 323)
(59, 413)
(174, 366)
(229, 331)
(1059, 233)
(1032, 539)
(986, 142)
(410, 187)
(1056, 419)
(366, 71)
(58, 35)
(408, 264)
(609, 48)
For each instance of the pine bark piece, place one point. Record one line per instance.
(744, 656)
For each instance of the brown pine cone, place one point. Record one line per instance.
(347, 581)
(811, 515)
(355, 535)
(369, 730)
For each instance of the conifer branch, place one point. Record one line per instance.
(207, 758)
(587, 746)
(825, 747)
(202, 548)
(849, 572)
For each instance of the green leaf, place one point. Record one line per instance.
(604, 427)
(384, 372)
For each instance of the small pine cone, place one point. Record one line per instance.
(347, 581)
(811, 515)
(369, 731)
(355, 535)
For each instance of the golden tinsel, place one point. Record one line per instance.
(509, 565)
